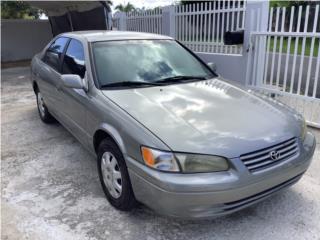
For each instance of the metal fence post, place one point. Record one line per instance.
(168, 21)
(122, 21)
(256, 19)
(262, 25)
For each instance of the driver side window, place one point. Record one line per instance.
(73, 62)
(54, 53)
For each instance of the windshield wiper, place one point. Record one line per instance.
(180, 79)
(129, 84)
(160, 82)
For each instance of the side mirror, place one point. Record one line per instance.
(73, 81)
(212, 66)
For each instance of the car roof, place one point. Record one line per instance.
(96, 36)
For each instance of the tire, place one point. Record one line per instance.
(110, 156)
(43, 111)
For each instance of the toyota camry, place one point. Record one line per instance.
(167, 131)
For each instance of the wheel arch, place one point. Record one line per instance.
(35, 87)
(106, 131)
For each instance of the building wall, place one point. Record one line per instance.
(22, 39)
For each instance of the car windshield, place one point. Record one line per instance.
(146, 61)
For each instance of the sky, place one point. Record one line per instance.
(143, 3)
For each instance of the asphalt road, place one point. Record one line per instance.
(50, 189)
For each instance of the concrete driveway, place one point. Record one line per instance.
(50, 189)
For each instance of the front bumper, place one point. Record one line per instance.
(214, 194)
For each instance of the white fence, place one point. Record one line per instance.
(146, 21)
(200, 26)
(285, 60)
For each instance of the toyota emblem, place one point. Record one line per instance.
(274, 155)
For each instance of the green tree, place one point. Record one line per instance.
(18, 10)
(125, 8)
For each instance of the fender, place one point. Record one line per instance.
(114, 134)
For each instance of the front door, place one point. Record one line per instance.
(73, 101)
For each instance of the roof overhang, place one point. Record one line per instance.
(58, 8)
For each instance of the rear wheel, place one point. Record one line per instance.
(114, 176)
(44, 114)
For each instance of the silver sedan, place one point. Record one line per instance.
(167, 131)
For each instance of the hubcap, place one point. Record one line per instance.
(41, 104)
(111, 174)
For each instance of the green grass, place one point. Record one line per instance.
(292, 46)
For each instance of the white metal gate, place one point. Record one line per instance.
(285, 60)
(200, 26)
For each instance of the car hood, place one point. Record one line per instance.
(208, 117)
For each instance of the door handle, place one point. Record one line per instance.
(58, 87)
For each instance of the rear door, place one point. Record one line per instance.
(49, 73)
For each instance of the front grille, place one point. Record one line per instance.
(259, 196)
(262, 159)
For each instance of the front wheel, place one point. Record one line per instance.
(44, 114)
(114, 176)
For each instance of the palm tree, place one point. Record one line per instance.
(125, 8)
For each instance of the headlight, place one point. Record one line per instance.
(164, 161)
(303, 129)
(189, 163)
(194, 163)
